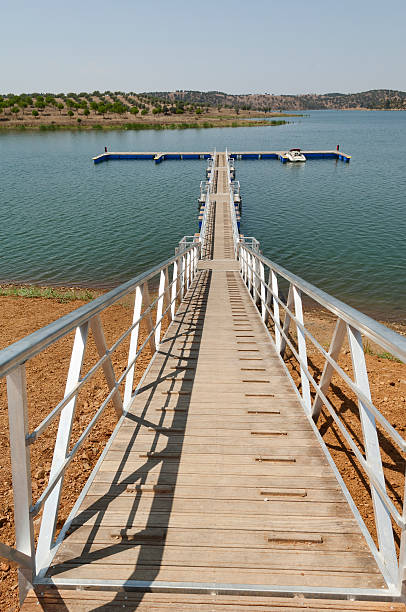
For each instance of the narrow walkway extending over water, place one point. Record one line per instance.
(215, 477)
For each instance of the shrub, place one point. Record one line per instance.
(35, 113)
(70, 113)
(144, 111)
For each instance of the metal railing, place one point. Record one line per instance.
(207, 207)
(263, 278)
(181, 269)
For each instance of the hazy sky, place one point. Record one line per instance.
(237, 46)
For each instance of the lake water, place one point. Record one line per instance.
(341, 226)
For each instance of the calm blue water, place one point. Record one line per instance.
(340, 226)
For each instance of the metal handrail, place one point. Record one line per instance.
(12, 365)
(375, 331)
(26, 348)
(266, 294)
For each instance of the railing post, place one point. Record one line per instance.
(275, 291)
(328, 370)
(174, 287)
(132, 351)
(51, 506)
(102, 349)
(373, 454)
(148, 317)
(21, 474)
(286, 322)
(250, 271)
(189, 269)
(159, 308)
(167, 295)
(301, 341)
(182, 277)
(263, 290)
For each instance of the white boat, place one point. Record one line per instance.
(295, 155)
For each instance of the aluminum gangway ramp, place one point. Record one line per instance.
(214, 493)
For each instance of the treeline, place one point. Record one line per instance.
(95, 103)
(372, 99)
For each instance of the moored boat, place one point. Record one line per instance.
(295, 155)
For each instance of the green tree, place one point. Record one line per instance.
(35, 113)
(15, 110)
(144, 111)
(70, 113)
(134, 110)
(86, 112)
(60, 107)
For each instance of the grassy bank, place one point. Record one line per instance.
(60, 294)
(185, 125)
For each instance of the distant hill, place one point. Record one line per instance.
(372, 99)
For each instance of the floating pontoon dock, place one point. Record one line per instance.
(159, 156)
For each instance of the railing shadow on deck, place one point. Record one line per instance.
(145, 569)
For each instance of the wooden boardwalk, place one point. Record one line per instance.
(216, 475)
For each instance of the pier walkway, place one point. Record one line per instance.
(215, 492)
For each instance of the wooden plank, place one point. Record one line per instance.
(85, 600)
(231, 538)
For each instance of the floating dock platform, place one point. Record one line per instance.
(158, 157)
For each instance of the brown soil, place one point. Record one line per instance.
(46, 376)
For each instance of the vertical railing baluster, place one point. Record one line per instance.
(167, 295)
(129, 381)
(182, 277)
(275, 291)
(187, 270)
(102, 349)
(61, 448)
(159, 308)
(148, 317)
(286, 322)
(250, 264)
(21, 474)
(372, 453)
(301, 341)
(174, 287)
(328, 370)
(263, 290)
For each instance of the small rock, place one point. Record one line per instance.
(86, 466)
(4, 567)
(385, 399)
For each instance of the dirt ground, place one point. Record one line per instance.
(46, 375)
